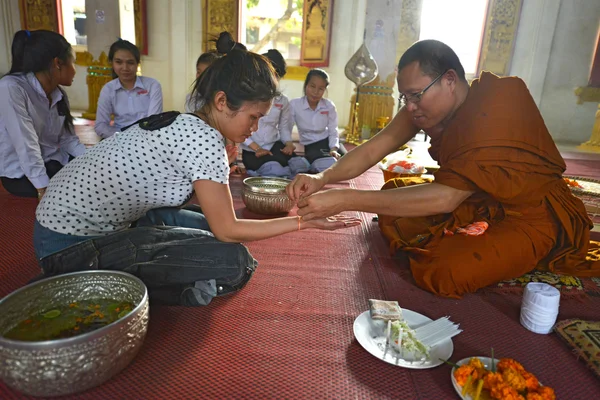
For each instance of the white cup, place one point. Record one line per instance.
(539, 307)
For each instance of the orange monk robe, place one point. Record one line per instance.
(498, 146)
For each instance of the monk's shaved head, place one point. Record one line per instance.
(434, 58)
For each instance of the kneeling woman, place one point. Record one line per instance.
(316, 118)
(36, 127)
(270, 148)
(128, 97)
(141, 177)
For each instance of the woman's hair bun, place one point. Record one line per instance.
(226, 44)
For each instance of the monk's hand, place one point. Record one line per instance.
(304, 185)
(289, 149)
(333, 223)
(262, 152)
(232, 153)
(323, 204)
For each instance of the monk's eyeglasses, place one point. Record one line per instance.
(416, 97)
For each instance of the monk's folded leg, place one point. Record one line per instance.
(461, 264)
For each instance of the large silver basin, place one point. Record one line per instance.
(65, 366)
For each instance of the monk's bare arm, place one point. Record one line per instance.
(413, 201)
(399, 131)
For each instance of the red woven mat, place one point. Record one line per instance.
(288, 334)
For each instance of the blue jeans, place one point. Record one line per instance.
(182, 264)
(46, 241)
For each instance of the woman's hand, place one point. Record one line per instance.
(288, 149)
(262, 152)
(332, 223)
(232, 153)
(304, 185)
(334, 153)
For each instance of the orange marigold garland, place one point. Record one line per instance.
(510, 382)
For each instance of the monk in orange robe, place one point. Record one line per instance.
(499, 169)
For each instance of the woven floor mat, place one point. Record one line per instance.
(288, 333)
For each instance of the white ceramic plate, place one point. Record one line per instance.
(487, 363)
(371, 335)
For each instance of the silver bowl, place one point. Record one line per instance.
(71, 365)
(264, 195)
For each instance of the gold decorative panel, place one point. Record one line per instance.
(316, 33)
(499, 35)
(141, 29)
(39, 14)
(220, 16)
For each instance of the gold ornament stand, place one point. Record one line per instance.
(376, 101)
(590, 94)
(99, 73)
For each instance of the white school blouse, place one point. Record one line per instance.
(127, 106)
(315, 125)
(276, 125)
(31, 130)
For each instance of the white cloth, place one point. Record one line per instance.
(317, 124)
(117, 181)
(127, 106)
(276, 125)
(31, 133)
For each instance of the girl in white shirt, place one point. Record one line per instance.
(36, 127)
(273, 139)
(202, 63)
(129, 97)
(143, 175)
(316, 119)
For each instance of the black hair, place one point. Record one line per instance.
(126, 45)
(33, 51)
(207, 58)
(316, 72)
(242, 75)
(277, 61)
(434, 58)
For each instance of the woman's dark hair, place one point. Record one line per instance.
(207, 58)
(434, 57)
(277, 61)
(126, 45)
(242, 75)
(316, 72)
(34, 51)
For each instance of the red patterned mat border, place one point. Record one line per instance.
(583, 337)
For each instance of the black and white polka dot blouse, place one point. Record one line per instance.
(117, 181)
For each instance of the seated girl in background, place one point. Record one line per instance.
(140, 177)
(128, 97)
(269, 149)
(317, 120)
(36, 127)
(202, 63)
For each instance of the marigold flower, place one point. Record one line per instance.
(531, 382)
(513, 378)
(462, 373)
(547, 393)
(503, 391)
(476, 363)
(534, 396)
(491, 380)
(505, 363)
